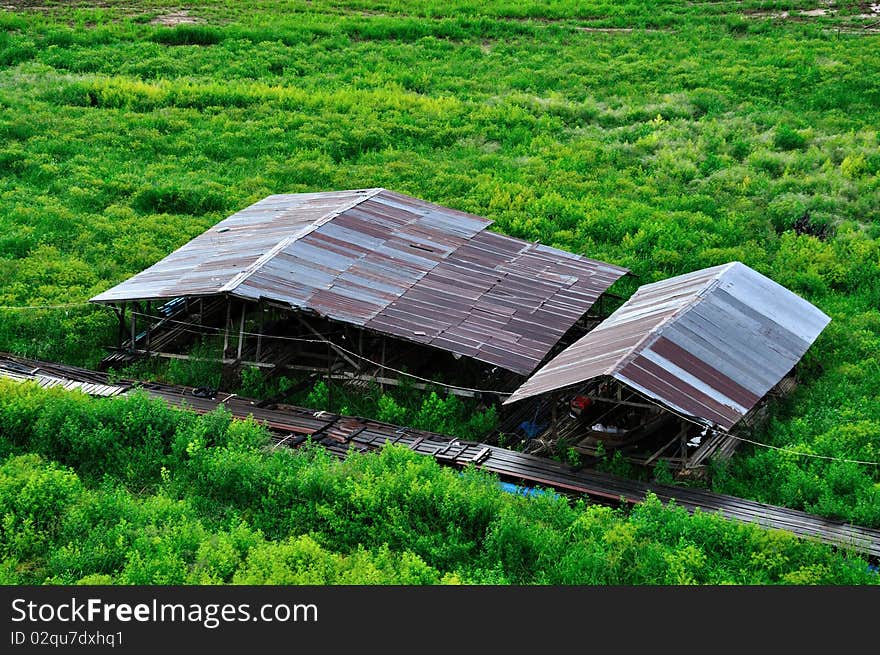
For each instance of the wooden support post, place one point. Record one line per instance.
(260, 311)
(554, 401)
(148, 312)
(241, 329)
(226, 326)
(133, 326)
(684, 449)
(329, 381)
(201, 311)
(121, 316)
(382, 367)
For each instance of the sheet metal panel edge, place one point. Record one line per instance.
(214, 258)
(700, 353)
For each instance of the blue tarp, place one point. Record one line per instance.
(532, 428)
(524, 491)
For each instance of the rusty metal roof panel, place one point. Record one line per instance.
(709, 344)
(489, 306)
(214, 258)
(391, 263)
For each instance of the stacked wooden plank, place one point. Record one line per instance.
(15, 371)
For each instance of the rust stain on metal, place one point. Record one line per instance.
(709, 344)
(389, 263)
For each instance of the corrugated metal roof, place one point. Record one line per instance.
(218, 256)
(709, 344)
(393, 264)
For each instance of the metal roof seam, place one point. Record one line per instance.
(281, 245)
(629, 355)
(651, 337)
(502, 276)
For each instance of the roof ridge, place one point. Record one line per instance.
(267, 256)
(652, 336)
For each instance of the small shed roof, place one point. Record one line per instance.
(709, 344)
(390, 263)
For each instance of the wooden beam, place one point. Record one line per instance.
(230, 360)
(620, 402)
(148, 309)
(392, 382)
(344, 375)
(329, 343)
(662, 450)
(226, 326)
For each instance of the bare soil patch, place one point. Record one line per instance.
(181, 17)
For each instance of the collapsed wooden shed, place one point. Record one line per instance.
(678, 368)
(361, 282)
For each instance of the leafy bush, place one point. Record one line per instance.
(188, 35)
(788, 138)
(303, 561)
(33, 499)
(177, 200)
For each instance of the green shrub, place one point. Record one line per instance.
(787, 138)
(228, 510)
(188, 35)
(33, 500)
(177, 200)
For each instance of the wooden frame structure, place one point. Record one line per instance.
(617, 419)
(277, 339)
(682, 364)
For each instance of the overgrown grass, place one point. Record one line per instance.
(696, 138)
(130, 491)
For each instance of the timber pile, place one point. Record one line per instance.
(174, 329)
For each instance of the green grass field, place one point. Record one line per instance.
(663, 137)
